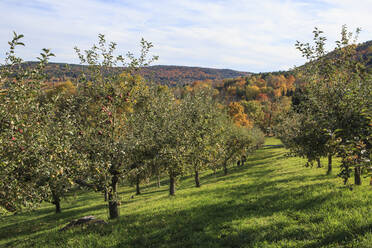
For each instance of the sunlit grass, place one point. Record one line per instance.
(274, 201)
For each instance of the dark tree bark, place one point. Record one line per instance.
(329, 171)
(225, 168)
(197, 182)
(138, 190)
(56, 202)
(172, 189)
(244, 158)
(346, 171)
(158, 181)
(113, 203)
(105, 194)
(319, 164)
(58, 206)
(357, 176)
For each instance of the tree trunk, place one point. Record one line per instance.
(329, 171)
(171, 185)
(197, 182)
(319, 164)
(158, 181)
(105, 193)
(56, 202)
(357, 176)
(138, 191)
(243, 161)
(113, 203)
(225, 168)
(346, 171)
(214, 171)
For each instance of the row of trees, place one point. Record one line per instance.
(332, 113)
(106, 128)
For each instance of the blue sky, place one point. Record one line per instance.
(251, 35)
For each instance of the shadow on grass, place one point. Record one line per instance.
(342, 236)
(213, 225)
(261, 156)
(44, 223)
(234, 174)
(209, 225)
(59, 239)
(154, 191)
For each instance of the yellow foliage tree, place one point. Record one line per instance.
(236, 111)
(66, 87)
(251, 92)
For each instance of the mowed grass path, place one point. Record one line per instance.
(273, 201)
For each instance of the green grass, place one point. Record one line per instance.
(274, 201)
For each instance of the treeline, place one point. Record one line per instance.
(183, 75)
(178, 76)
(257, 100)
(172, 76)
(102, 129)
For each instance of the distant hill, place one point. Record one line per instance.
(176, 75)
(364, 51)
(172, 75)
(162, 74)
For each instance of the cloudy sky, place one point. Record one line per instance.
(250, 35)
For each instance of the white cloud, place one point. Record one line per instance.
(243, 35)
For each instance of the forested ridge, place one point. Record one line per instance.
(170, 75)
(173, 75)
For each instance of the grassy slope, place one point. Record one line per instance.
(272, 202)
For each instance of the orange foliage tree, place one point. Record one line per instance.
(236, 111)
